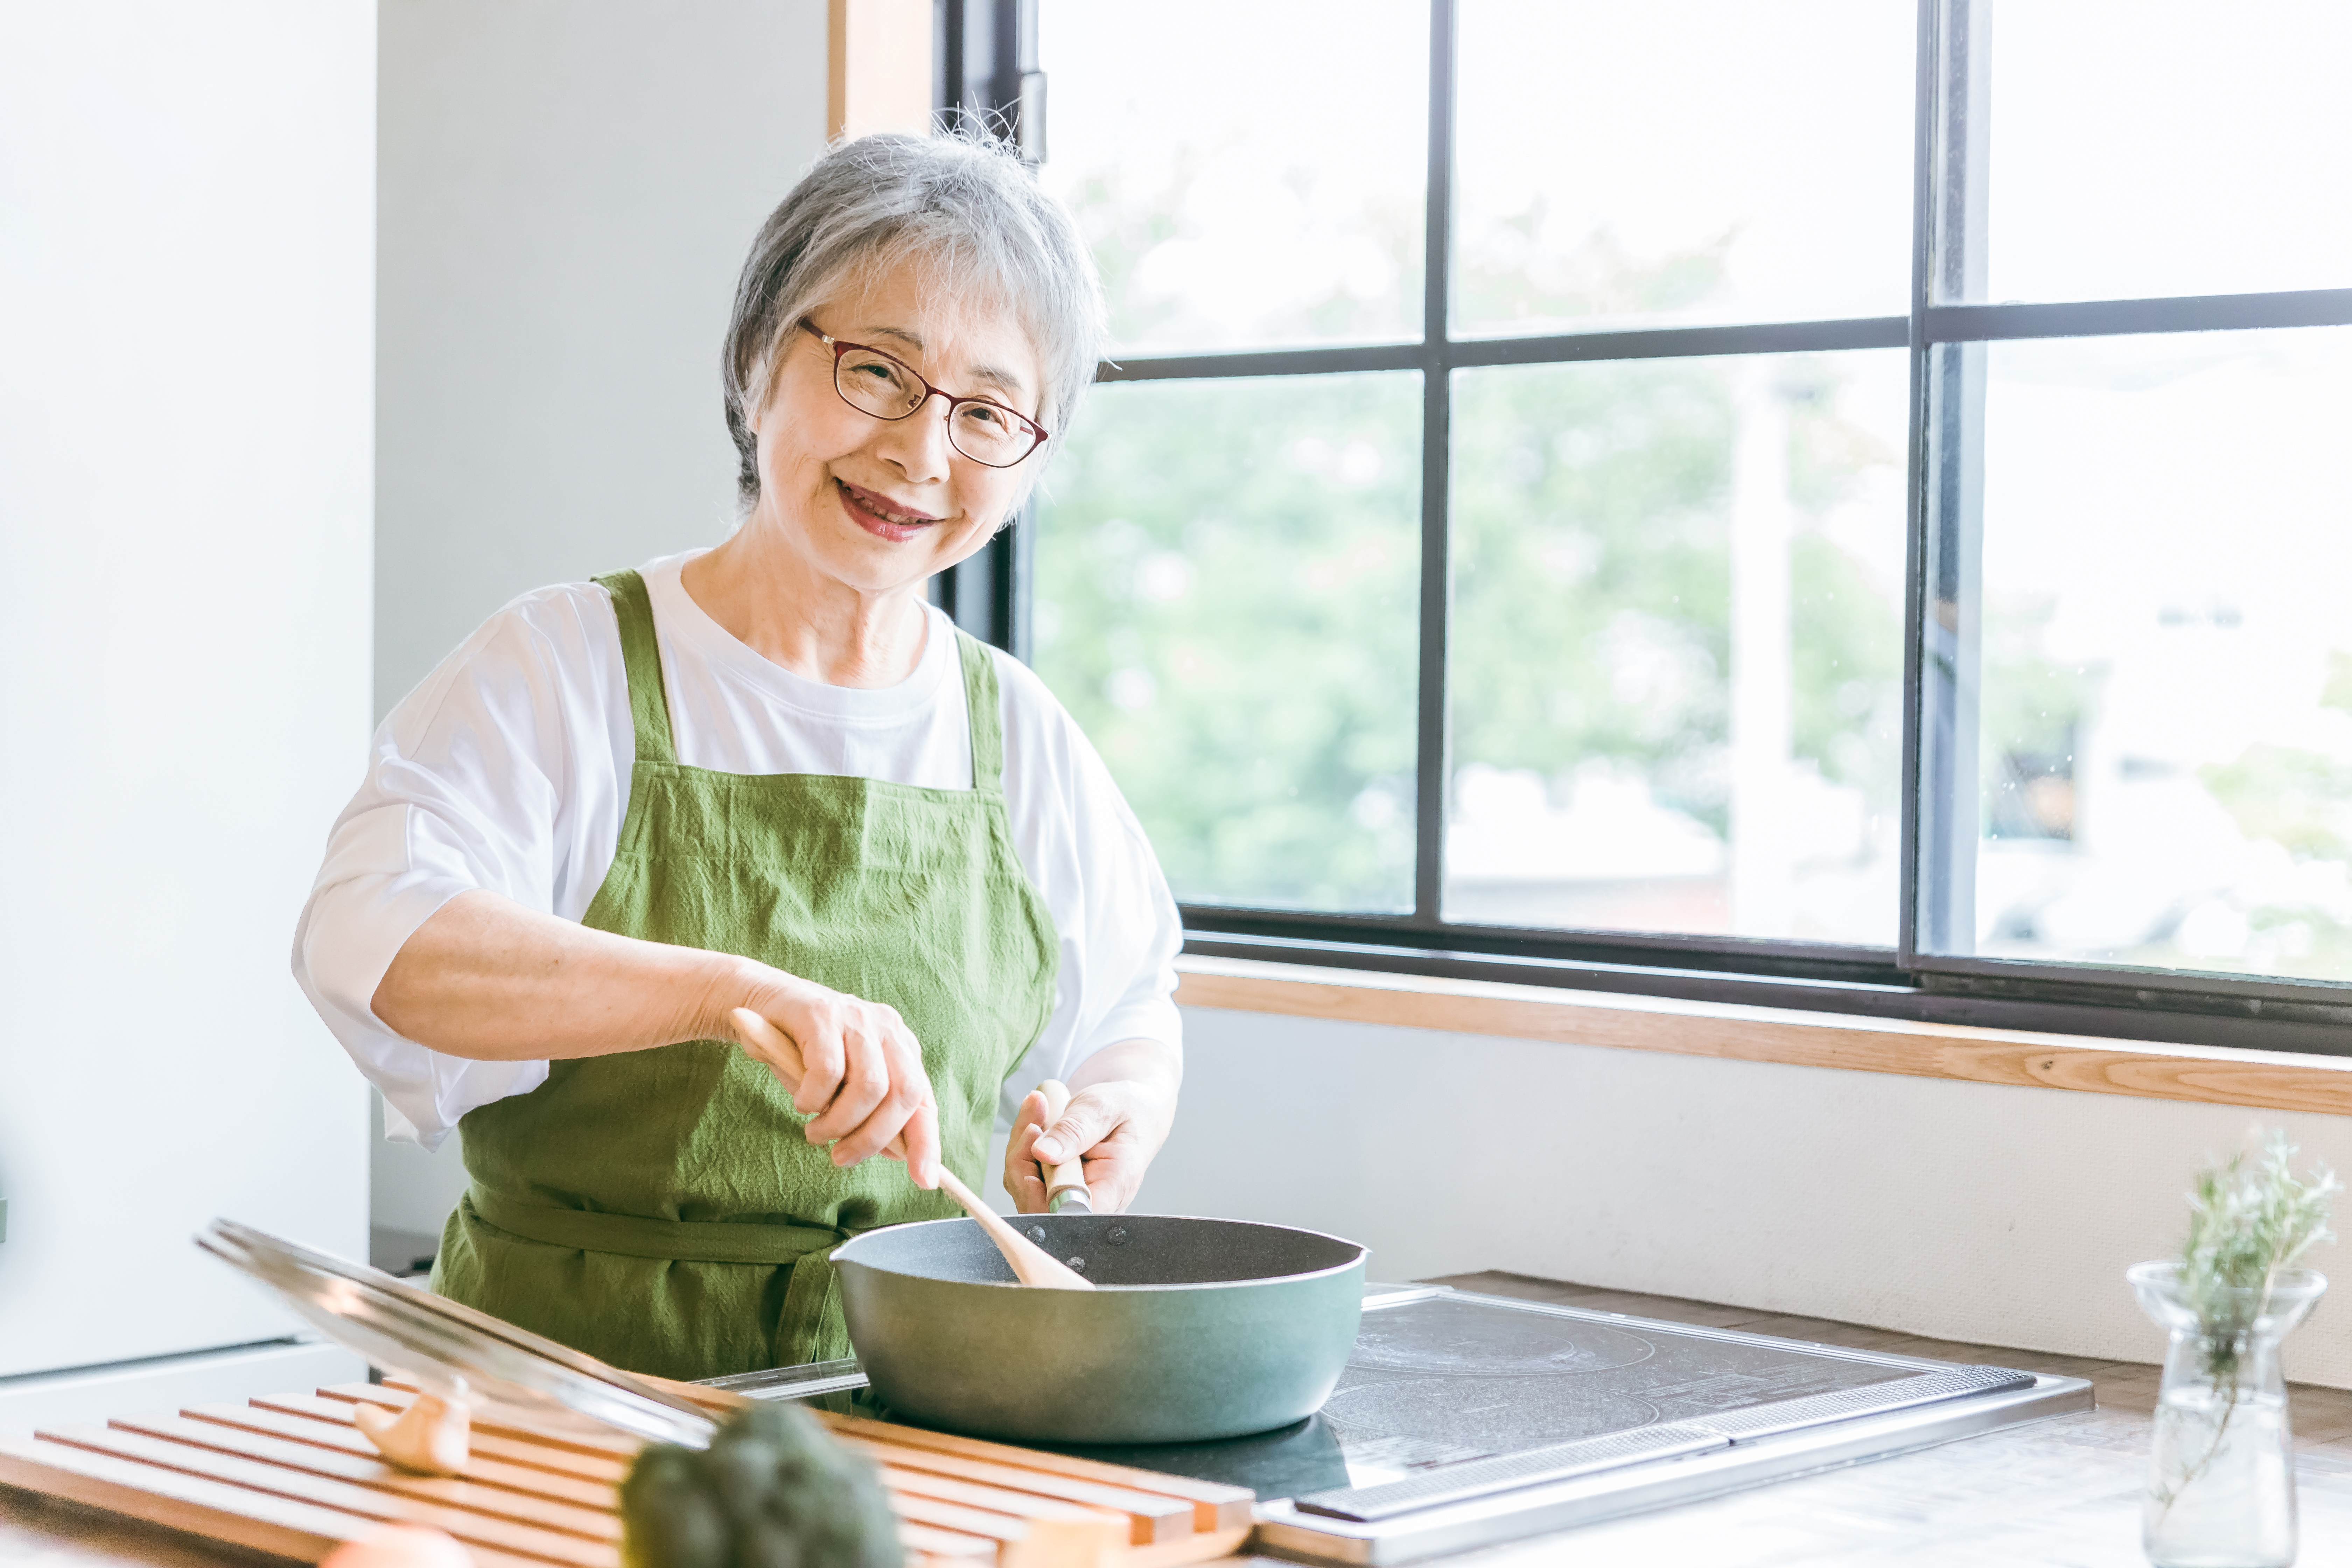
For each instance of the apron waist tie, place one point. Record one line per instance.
(634, 1235)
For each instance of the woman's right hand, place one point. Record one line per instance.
(489, 980)
(863, 1082)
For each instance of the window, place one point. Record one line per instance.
(2135, 743)
(1828, 502)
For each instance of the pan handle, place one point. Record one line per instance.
(1065, 1185)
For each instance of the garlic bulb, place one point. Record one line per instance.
(431, 1437)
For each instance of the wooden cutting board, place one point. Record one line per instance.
(290, 1473)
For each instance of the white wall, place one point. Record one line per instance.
(413, 1190)
(1963, 1211)
(186, 386)
(568, 188)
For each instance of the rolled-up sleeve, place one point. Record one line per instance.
(1117, 925)
(1132, 931)
(465, 790)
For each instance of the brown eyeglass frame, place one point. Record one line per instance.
(840, 348)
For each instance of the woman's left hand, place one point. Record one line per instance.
(1122, 1104)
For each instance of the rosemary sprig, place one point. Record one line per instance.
(2245, 1228)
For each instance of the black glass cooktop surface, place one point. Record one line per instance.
(1441, 1379)
(1448, 1379)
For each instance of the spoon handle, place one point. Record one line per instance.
(1032, 1263)
(1065, 1183)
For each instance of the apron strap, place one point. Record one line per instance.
(634, 1235)
(987, 721)
(641, 661)
(649, 697)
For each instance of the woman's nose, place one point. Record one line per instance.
(917, 444)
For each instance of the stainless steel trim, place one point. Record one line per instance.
(793, 1382)
(1376, 1296)
(1284, 1531)
(1457, 1483)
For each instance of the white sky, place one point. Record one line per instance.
(1255, 92)
(1670, 125)
(2145, 148)
(2126, 477)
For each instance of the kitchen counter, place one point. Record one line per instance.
(2062, 1492)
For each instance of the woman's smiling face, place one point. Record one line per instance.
(877, 504)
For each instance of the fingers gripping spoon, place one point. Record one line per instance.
(1032, 1263)
(1065, 1185)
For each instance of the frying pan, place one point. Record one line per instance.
(1198, 1328)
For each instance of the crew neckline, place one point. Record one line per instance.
(681, 621)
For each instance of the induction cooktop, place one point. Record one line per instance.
(1463, 1419)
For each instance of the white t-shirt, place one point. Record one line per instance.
(508, 769)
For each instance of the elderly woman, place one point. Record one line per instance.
(769, 774)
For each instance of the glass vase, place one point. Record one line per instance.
(2221, 1483)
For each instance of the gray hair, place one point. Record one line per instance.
(963, 205)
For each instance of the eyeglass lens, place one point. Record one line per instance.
(887, 390)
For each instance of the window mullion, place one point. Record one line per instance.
(1436, 391)
(1925, 101)
(1941, 915)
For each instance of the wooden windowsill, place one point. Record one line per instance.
(2271, 1080)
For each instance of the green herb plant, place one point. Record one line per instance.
(2246, 1226)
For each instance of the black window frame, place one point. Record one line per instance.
(986, 62)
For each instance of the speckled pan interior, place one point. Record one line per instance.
(1111, 1249)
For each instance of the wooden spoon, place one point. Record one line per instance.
(1065, 1183)
(1032, 1263)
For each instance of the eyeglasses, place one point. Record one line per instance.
(873, 382)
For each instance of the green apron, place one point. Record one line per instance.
(660, 1209)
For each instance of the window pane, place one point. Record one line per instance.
(2153, 147)
(1226, 585)
(2163, 704)
(1250, 175)
(1677, 647)
(1681, 160)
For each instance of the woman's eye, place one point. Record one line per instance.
(983, 414)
